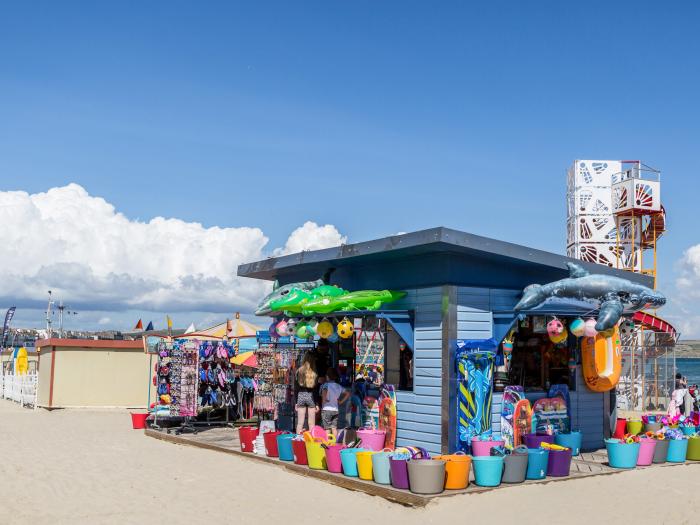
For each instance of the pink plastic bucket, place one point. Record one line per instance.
(483, 448)
(371, 439)
(333, 458)
(646, 451)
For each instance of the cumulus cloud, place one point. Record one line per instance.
(311, 236)
(84, 250)
(689, 279)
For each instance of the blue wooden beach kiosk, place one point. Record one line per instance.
(459, 287)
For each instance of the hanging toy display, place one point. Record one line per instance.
(577, 327)
(324, 329)
(305, 330)
(281, 328)
(556, 331)
(291, 327)
(589, 328)
(273, 329)
(345, 328)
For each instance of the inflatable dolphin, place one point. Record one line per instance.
(279, 292)
(613, 294)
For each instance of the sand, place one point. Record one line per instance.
(78, 466)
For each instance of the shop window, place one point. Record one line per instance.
(381, 356)
(399, 362)
(536, 362)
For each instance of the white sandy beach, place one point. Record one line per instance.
(75, 466)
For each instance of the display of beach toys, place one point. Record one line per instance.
(570, 440)
(622, 454)
(371, 439)
(537, 463)
(246, 437)
(457, 467)
(426, 476)
(488, 470)
(481, 446)
(284, 446)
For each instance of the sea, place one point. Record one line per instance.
(690, 368)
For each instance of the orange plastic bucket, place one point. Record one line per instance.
(457, 467)
(138, 420)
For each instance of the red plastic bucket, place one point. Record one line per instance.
(299, 448)
(620, 428)
(138, 421)
(271, 443)
(246, 436)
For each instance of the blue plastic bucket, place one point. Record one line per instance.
(284, 447)
(381, 468)
(488, 470)
(537, 459)
(572, 440)
(688, 431)
(677, 450)
(622, 455)
(348, 457)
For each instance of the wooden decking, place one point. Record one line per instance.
(226, 440)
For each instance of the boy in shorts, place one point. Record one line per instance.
(332, 395)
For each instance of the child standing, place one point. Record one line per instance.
(332, 395)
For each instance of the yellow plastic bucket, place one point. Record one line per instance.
(315, 455)
(364, 464)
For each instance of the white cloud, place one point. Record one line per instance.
(311, 236)
(689, 266)
(96, 258)
(104, 320)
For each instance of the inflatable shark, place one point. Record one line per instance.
(613, 294)
(279, 292)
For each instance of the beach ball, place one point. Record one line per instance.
(626, 328)
(577, 327)
(281, 328)
(559, 338)
(555, 328)
(291, 327)
(305, 331)
(589, 328)
(345, 328)
(324, 329)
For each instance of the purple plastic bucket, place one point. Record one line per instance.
(399, 473)
(534, 440)
(559, 463)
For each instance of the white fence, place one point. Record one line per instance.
(21, 389)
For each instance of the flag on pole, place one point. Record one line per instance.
(150, 328)
(6, 327)
(170, 325)
(139, 325)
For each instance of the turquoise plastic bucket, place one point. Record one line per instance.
(677, 450)
(381, 468)
(688, 431)
(348, 457)
(622, 455)
(537, 459)
(487, 470)
(572, 440)
(284, 447)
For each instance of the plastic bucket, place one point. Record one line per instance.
(348, 458)
(299, 449)
(399, 473)
(138, 420)
(620, 428)
(457, 467)
(483, 448)
(646, 452)
(371, 439)
(677, 450)
(364, 464)
(572, 440)
(488, 470)
(515, 468)
(634, 427)
(284, 447)
(333, 458)
(537, 463)
(534, 440)
(315, 455)
(622, 455)
(426, 476)
(693, 449)
(660, 451)
(559, 463)
(651, 427)
(687, 431)
(380, 468)
(270, 439)
(247, 436)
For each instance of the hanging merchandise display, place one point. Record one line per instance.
(345, 328)
(612, 295)
(577, 327)
(291, 327)
(218, 383)
(324, 329)
(602, 361)
(176, 378)
(589, 329)
(281, 328)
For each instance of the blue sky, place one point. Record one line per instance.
(373, 117)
